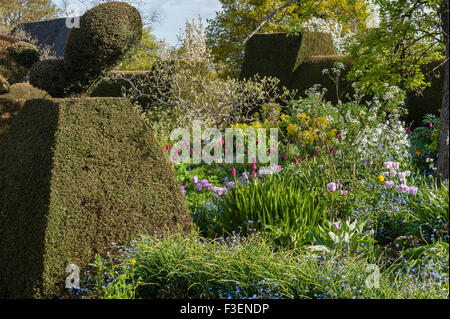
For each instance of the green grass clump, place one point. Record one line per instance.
(76, 175)
(175, 266)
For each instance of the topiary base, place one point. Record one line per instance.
(75, 176)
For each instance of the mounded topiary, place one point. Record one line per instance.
(16, 58)
(50, 75)
(75, 176)
(8, 111)
(107, 33)
(25, 91)
(4, 85)
(24, 54)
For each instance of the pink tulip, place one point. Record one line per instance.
(233, 172)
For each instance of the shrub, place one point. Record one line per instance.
(24, 54)
(8, 111)
(4, 85)
(25, 91)
(75, 176)
(50, 75)
(279, 54)
(107, 33)
(16, 58)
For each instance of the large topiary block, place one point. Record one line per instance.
(279, 54)
(76, 175)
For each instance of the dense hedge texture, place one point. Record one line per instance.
(4, 85)
(50, 76)
(16, 58)
(8, 111)
(75, 176)
(25, 91)
(107, 33)
(279, 54)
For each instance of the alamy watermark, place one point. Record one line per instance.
(210, 145)
(73, 16)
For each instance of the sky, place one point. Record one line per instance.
(173, 14)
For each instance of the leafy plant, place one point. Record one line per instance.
(275, 205)
(348, 237)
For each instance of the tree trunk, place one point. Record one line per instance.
(442, 167)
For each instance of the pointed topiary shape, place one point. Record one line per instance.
(75, 176)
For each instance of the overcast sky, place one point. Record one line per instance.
(173, 14)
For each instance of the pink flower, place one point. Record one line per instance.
(413, 190)
(254, 166)
(283, 157)
(171, 164)
(309, 159)
(332, 150)
(389, 184)
(332, 186)
(430, 124)
(316, 153)
(223, 165)
(168, 147)
(254, 174)
(233, 172)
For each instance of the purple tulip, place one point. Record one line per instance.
(389, 184)
(413, 190)
(332, 187)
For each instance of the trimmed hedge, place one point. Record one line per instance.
(4, 85)
(50, 76)
(25, 91)
(9, 108)
(75, 176)
(309, 73)
(107, 33)
(430, 101)
(16, 58)
(279, 54)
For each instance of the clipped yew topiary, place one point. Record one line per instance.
(75, 176)
(16, 58)
(279, 54)
(9, 107)
(4, 85)
(50, 76)
(107, 33)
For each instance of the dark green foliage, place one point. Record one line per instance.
(113, 85)
(50, 75)
(298, 62)
(8, 111)
(309, 73)
(16, 58)
(24, 54)
(4, 85)
(430, 101)
(279, 54)
(24, 91)
(107, 33)
(75, 176)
